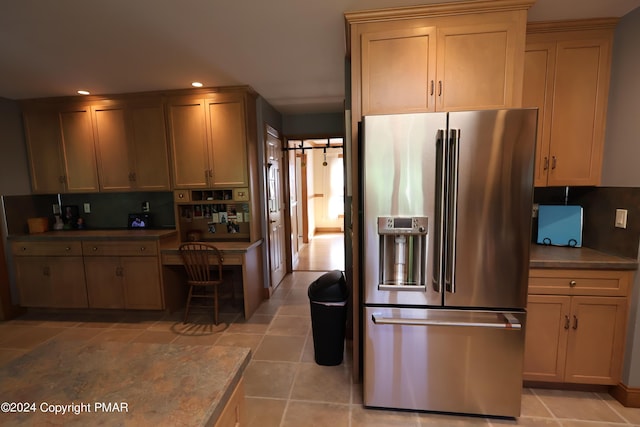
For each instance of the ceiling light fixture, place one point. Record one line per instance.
(196, 84)
(83, 92)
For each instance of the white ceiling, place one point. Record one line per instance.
(290, 51)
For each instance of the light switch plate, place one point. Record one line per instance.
(621, 218)
(87, 208)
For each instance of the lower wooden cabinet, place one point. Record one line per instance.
(575, 338)
(129, 281)
(50, 274)
(123, 274)
(233, 414)
(51, 282)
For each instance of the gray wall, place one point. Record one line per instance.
(622, 154)
(622, 147)
(14, 171)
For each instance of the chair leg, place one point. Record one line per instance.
(186, 308)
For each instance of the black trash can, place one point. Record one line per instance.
(328, 298)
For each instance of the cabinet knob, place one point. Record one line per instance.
(143, 248)
(94, 248)
(573, 283)
(24, 248)
(67, 249)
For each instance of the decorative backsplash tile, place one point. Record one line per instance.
(600, 204)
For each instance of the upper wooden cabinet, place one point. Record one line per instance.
(447, 57)
(60, 146)
(208, 136)
(567, 71)
(131, 146)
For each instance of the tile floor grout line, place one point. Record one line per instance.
(606, 402)
(544, 404)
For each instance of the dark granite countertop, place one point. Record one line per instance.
(542, 256)
(155, 384)
(90, 234)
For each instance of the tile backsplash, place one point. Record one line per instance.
(599, 209)
(108, 210)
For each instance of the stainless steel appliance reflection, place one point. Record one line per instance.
(447, 220)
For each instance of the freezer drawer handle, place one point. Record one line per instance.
(504, 321)
(410, 288)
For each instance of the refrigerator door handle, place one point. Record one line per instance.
(452, 208)
(440, 206)
(503, 321)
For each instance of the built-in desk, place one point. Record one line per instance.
(247, 255)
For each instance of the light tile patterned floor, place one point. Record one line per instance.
(283, 384)
(323, 253)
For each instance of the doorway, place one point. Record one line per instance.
(316, 187)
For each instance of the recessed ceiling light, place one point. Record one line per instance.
(83, 92)
(196, 84)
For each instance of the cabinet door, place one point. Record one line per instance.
(539, 69)
(42, 132)
(142, 288)
(188, 139)
(104, 282)
(78, 149)
(596, 341)
(114, 159)
(398, 71)
(228, 141)
(33, 281)
(476, 67)
(546, 337)
(68, 283)
(579, 108)
(149, 147)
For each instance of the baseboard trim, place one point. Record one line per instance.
(320, 230)
(628, 396)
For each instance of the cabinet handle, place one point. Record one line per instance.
(133, 176)
(143, 248)
(575, 322)
(67, 249)
(566, 321)
(46, 271)
(61, 179)
(573, 283)
(439, 87)
(94, 248)
(24, 248)
(546, 163)
(119, 271)
(554, 161)
(432, 88)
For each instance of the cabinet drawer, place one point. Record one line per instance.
(580, 282)
(39, 248)
(120, 248)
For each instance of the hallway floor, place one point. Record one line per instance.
(283, 384)
(325, 252)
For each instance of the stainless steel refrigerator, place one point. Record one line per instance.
(447, 219)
